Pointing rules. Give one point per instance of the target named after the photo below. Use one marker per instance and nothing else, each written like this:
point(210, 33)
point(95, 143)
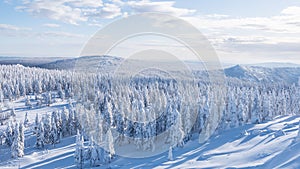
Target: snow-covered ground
point(268, 145)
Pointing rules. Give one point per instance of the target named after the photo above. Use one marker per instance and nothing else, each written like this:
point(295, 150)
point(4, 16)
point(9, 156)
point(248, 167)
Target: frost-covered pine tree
point(94, 156)
point(72, 126)
point(255, 111)
point(53, 138)
point(16, 148)
point(47, 127)
point(60, 92)
point(108, 112)
point(9, 134)
point(48, 98)
point(40, 140)
point(65, 119)
point(79, 151)
point(22, 137)
point(36, 122)
point(109, 147)
point(26, 120)
point(170, 154)
point(187, 126)
point(176, 131)
point(37, 89)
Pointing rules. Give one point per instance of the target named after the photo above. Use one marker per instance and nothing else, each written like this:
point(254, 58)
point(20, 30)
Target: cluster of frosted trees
point(140, 108)
point(19, 81)
point(50, 129)
point(14, 137)
point(93, 153)
point(146, 107)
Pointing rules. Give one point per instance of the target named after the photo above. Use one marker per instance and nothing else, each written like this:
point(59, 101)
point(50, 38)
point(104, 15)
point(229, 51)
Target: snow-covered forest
point(136, 110)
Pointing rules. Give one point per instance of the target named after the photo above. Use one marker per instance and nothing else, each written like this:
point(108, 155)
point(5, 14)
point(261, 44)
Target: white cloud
point(51, 25)
point(110, 11)
point(85, 3)
point(60, 34)
point(96, 25)
point(163, 7)
point(7, 27)
point(76, 11)
point(292, 10)
point(68, 11)
point(250, 39)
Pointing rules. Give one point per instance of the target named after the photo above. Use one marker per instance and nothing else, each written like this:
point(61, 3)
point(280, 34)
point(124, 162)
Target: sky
point(240, 31)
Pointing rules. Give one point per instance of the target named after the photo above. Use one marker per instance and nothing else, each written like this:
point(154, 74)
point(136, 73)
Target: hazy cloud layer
point(76, 11)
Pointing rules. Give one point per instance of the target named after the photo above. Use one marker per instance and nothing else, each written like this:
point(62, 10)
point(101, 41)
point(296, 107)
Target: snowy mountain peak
point(236, 71)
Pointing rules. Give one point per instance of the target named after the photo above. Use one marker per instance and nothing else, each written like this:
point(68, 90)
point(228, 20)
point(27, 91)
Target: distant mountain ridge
point(264, 72)
point(28, 61)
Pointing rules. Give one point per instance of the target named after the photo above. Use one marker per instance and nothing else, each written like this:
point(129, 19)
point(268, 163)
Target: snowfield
point(268, 145)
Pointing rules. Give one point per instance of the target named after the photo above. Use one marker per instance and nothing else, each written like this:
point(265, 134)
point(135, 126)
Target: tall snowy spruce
point(93, 154)
point(109, 147)
point(170, 154)
point(40, 139)
point(22, 137)
point(36, 122)
point(17, 147)
point(9, 134)
point(26, 120)
point(53, 137)
point(79, 151)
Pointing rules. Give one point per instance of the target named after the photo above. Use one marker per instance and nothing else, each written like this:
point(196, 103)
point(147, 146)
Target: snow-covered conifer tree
point(40, 140)
point(53, 137)
point(36, 122)
point(79, 151)
point(26, 120)
point(9, 134)
point(176, 131)
point(93, 153)
point(47, 127)
point(22, 137)
point(60, 92)
point(65, 119)
point(170, 154)
point(109, 146)
point(16, 148)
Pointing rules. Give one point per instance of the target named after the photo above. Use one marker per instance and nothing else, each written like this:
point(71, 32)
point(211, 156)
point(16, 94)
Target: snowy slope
point(264, 74)
point(267, 145)
point(251, 146)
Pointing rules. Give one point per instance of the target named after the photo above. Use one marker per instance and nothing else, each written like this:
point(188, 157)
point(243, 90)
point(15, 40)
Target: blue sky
point(240, 31)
